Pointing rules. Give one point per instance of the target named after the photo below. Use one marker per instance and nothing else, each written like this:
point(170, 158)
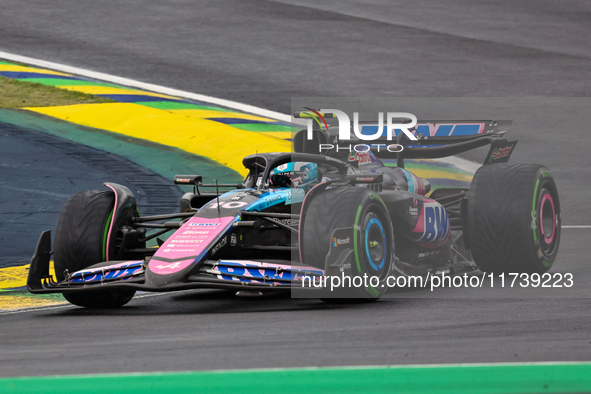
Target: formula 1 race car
point(305, 215)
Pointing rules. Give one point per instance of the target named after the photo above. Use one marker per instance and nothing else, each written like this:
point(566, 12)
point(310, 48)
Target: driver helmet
point(301, 175)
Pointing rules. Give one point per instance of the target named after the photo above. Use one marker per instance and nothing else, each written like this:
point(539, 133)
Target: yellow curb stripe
point(203, 113)
point(14, 277)
point(98, 90)
point(16, 68)
point(281, 135)
point(10, 303)
point(219, 142)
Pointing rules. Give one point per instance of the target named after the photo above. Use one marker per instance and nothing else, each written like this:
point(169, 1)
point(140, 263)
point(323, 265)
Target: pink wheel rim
point(548, 198)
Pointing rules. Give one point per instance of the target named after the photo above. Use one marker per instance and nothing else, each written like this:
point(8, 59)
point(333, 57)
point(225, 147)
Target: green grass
point(19, 94)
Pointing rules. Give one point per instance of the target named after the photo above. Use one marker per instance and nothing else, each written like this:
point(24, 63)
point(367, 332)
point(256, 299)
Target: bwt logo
point(394, 120)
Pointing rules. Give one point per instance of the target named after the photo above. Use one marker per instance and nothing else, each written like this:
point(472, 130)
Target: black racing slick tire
point(513, 218)
point(81, 241)
point(330, 217)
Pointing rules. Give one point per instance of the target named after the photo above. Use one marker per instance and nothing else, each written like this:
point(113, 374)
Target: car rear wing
point(434, 138)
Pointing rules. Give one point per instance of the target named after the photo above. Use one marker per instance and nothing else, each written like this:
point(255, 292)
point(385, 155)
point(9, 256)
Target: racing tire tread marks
point(79, 243)
point(337, 208)
point(500, 219)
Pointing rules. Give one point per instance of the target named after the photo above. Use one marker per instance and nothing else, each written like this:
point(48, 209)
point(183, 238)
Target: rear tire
point(81, 241)
point(372, 243)
point(513, 218)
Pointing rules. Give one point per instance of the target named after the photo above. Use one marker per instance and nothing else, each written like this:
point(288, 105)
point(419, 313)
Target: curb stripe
point(480, 379)
point(146, 86)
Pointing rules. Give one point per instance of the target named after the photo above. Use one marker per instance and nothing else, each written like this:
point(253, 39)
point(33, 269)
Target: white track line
point(577, 226)
point(146, 86)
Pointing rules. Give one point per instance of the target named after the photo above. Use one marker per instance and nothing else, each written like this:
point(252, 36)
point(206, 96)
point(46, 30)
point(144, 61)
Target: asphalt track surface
point(263, 53)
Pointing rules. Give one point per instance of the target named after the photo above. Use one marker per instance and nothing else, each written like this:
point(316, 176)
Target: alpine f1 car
point(306, 215)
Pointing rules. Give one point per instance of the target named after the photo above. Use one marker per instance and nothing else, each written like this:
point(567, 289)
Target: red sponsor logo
point(501, 152)
point(360, 157)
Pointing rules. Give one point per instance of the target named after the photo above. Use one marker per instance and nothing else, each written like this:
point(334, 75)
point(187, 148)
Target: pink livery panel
point(188, 244)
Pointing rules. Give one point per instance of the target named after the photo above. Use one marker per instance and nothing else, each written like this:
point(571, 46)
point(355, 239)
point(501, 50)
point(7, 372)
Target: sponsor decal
point(433, 223)
point(117, 271)
point(340, 241)
point(365, 179)
point(361, 157)
point(427, 254)
point(191, 247)
point(229, 204)
point(287, 222)
point(288, 196)
point(499, 153)
point(238, 196)
point(205, 236)
point(183, 180)
point(168, 268)
point(274, 199)
point(233, 240)
point(259, 273)
point(219, 245)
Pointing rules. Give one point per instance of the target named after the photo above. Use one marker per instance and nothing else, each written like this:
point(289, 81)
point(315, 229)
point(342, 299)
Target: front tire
point(372, 243)
point(513, 218)
point(81, 241)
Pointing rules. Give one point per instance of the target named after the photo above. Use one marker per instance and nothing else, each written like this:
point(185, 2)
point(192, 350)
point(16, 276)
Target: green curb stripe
point(356, 228)
point(171, 105)
point(106, 233)
point(258, 127)
point(58, 82)
point(533, 213)
point(24, 293)
point(479, 379)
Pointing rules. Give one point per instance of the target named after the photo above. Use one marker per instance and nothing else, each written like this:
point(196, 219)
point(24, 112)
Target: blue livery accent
point(441, 130)
point(277, 196)
point(466, 129)
point(255, 273)
point(106, 273)
point(436, 224)
point(376, 222)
